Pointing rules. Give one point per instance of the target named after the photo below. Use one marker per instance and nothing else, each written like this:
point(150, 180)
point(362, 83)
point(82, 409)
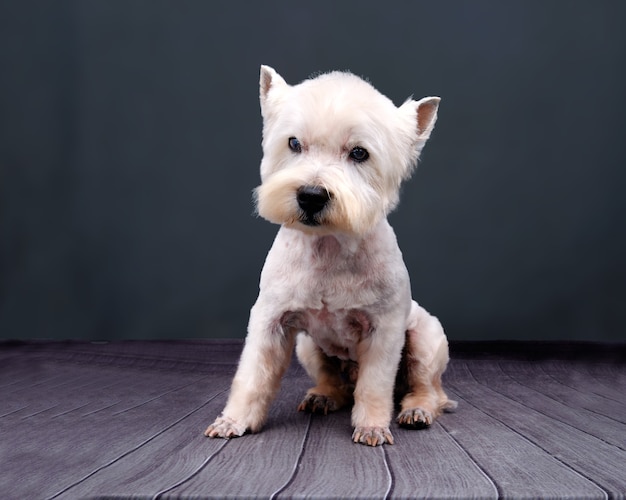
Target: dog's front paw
point(372, 436)
point(225, 427)
point(318, 403)
point(415, 418)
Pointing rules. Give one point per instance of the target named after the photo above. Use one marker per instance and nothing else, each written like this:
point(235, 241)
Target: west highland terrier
point(335, 152)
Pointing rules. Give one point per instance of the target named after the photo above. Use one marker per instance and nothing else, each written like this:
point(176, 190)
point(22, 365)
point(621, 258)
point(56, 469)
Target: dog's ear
point(269, 81)
point(424, 112)
point(426, 116)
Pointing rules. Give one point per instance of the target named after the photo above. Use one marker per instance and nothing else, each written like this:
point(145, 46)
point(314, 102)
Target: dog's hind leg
point(332, 389)
point(426, 358)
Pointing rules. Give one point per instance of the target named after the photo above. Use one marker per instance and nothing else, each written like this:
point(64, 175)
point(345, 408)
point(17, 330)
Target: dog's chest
point(334, 288)
point(337, 332)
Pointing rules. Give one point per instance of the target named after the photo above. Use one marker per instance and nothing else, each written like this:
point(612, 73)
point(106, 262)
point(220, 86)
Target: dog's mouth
point(308, 220)
point(312, 201)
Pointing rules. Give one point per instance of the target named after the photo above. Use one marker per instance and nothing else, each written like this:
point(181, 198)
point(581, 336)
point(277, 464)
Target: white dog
point(334, 282)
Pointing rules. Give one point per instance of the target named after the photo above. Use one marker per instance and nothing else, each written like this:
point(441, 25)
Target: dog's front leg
point(263, 362)
point(378, 358)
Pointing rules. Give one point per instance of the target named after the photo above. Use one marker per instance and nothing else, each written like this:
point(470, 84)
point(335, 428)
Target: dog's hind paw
point(372, 436)
point(225, 427)
point(415, 418)
point(318, 403)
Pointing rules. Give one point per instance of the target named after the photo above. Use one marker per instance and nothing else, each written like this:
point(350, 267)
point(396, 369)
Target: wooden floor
point(125, 419)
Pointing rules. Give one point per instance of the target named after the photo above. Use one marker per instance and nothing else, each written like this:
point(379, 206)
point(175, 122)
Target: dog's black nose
point(312, 200)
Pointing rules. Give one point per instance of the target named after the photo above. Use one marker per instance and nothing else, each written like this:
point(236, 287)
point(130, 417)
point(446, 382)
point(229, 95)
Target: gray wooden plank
point(254, 465)
point(155, 465)
point(125, 419)
point(42, 455)
point(590, 457)
point(332, 466)
point(70, 385)
point(430, 464)
point(194, 356)
point(517, 467)
point(610, 372)
point(15, 373)
point(40, 390)
point(586, 421)
point(536, 377)
point(578, 376)
point(193, 353)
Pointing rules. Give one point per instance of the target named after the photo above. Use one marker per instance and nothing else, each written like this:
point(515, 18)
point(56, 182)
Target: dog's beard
point(354, 206)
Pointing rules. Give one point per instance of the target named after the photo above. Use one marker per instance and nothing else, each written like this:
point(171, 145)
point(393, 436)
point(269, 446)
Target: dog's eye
point(294, 145)
point(359, 154)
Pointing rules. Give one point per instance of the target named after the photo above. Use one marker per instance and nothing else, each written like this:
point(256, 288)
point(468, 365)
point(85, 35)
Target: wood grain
point(332, 466)
point(430, 463)
point(125, 419)
point(258, 464)
point(601, 463)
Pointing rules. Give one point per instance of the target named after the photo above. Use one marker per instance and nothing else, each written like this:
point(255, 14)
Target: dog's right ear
point(269, 83)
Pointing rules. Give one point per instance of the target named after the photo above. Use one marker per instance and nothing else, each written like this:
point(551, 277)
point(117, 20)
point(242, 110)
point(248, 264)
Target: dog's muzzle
point(312, 200)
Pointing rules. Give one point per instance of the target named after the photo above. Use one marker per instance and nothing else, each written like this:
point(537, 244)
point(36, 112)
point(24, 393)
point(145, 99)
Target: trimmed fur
point(334, 281)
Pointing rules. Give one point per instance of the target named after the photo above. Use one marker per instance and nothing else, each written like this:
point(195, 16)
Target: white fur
point(340, 283)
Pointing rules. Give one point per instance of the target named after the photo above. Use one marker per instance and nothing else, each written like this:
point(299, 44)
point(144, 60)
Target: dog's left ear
point(269, 82)
point(425, 113)
point(426, 116)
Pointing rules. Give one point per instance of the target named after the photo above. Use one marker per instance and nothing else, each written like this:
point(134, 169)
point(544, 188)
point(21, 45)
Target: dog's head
point(335, 151)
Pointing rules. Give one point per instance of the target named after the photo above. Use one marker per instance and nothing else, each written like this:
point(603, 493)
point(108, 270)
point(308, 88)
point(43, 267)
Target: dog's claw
point(225, 427)
point(318, 403)
point(372, 436)
point(415, 418)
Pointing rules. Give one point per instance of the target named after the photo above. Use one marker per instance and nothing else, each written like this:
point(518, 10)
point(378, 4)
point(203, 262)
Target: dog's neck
point(338, 245)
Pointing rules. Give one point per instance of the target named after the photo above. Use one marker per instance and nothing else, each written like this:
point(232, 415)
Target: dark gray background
point(130, 143)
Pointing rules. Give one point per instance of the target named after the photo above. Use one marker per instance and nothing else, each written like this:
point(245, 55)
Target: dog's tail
point(448, 406)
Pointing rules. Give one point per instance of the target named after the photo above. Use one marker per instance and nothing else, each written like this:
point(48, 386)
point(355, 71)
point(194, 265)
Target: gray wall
point(130, 143)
